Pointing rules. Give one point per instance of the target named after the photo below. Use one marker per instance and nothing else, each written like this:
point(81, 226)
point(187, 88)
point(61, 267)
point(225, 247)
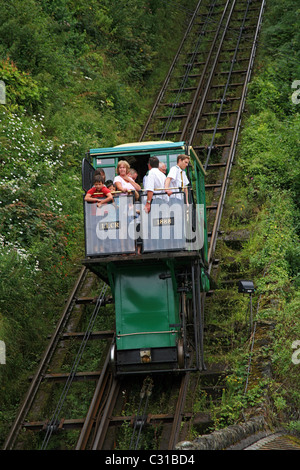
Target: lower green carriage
point(147, 320)
point(157, 293)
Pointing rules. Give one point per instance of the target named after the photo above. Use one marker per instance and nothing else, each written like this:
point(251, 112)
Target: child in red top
point(98, 192)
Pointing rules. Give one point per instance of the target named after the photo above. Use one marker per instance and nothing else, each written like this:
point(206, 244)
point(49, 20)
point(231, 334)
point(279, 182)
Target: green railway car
point(154, 261)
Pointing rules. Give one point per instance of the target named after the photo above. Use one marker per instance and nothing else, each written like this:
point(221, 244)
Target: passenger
point(155, 183)
point(101, 172)
point(134, 211)
point(162, 167)
point(123, 182)
point(98, 192)
point(133, 173)
point(177, 178)
point(145, 179)
point(109, 184)
point(100, 195)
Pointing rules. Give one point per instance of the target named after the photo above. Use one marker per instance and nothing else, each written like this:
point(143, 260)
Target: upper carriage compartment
point(136, 154)
point(124, 226)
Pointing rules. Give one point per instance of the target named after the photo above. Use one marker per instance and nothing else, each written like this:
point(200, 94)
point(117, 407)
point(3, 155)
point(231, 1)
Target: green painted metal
point(108, 157)
point(147, 308)
point(137, 147)
point(199, 175)
point(147, 305)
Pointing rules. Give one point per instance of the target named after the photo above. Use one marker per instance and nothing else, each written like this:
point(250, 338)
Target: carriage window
point(105, 161)
point(162, 158)
point(110, 173)
point(173, 159)
point(108, 165)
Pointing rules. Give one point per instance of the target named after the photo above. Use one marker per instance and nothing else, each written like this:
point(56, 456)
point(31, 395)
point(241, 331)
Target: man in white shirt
point(177, 178)
point(155, 183)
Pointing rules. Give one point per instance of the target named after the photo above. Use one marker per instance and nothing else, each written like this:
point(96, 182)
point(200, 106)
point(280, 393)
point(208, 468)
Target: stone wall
point(220, 440)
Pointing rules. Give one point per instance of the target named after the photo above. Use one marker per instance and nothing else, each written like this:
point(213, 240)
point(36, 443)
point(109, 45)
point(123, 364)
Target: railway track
point(55, 362)
point(201, 102)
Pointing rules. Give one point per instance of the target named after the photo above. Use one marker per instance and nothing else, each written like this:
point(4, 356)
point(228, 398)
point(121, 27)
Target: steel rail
point(191, 137)
point(232, 150)
point(227, 85)
point(201, 81)
point(189, 67)
point(167, 79)
point(94, 407)
point(178, 415)
point(38, 377)
point(71, 376)
point(105, 418)
point(103, 409)
point(177, 418)
point(175, 105)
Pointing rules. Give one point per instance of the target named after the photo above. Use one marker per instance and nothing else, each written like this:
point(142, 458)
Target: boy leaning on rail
point(98, 192)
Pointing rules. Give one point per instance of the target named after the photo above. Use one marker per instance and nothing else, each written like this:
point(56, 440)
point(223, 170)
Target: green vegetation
point(78, 74)
point(84, 73)
point(264, 203)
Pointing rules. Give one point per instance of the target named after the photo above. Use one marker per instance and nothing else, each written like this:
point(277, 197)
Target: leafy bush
point(269, 157)
point(75, 74)
point(38, 237)
point(266, 187)
point(21, 89)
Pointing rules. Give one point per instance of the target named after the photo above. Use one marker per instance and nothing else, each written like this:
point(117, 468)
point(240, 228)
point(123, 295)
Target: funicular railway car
point(154, 262)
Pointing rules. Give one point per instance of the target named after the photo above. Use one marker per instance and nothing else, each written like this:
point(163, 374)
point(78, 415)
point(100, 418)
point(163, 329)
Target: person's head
point(122, 167)
point(110, 185)
point(100, 171)
point(153, 162)
point(162, 167)
point(98, 182)
point(133, 173)
point(183, 161)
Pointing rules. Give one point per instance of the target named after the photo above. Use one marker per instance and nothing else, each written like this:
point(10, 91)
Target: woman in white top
point(123, 181)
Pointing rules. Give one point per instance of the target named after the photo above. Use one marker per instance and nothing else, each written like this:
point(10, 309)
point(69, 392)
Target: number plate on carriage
point(163, 221)
point(109, 225)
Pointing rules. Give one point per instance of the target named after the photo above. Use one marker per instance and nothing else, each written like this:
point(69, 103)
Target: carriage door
point(87, 171)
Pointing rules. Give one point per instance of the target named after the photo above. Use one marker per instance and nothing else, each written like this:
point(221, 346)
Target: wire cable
point(223, 99)
point(140, 419)
point(51, 427)
point(187, 71)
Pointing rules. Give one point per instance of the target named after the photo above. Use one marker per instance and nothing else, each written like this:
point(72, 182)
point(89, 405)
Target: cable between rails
point(140, 419)
point(188, 69)
point(223, 99)
point(51, 427)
